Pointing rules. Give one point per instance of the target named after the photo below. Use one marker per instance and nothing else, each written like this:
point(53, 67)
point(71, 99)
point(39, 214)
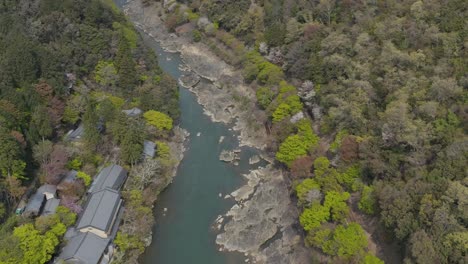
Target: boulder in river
point(228, 156)
point(254, 159)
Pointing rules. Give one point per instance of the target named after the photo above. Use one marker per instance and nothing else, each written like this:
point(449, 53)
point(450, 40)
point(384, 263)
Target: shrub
point(196, 36)
point(74, 164)
point(291, 149)
point(314, 216)
point(85, 177)
point(159, 120)
point(163, 150)
point(264, 96)
point(303, 188)
point(367, 203)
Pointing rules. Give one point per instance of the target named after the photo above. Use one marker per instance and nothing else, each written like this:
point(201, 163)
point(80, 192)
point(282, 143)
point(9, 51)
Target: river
point(186, 210)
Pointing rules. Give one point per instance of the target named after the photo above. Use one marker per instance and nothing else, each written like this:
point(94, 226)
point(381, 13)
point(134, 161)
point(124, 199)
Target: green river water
point(183, 233)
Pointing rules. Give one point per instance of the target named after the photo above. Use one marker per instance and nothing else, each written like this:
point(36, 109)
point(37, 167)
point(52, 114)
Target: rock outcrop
point(261, 224)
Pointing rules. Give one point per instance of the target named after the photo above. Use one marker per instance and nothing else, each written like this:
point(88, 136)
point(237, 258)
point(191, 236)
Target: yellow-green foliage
point(344, 241)
point(66, 216)
point(304, 187)
point(163, 150)
point(38, 247)
point(105, 73)
point(288, 102)
point(261, 69)
point(159, 120)
point(338, 139)
point(85, 177)
point(349, 177)
point(282, 111)
point(296, 146)
point(192, 16)
point(291, 149)
point(118, 102)
point(70, 115)
point(314, 216)
point(74, 164)
point(371, 259)
point(127, 242)
point(367, 203)
point(127, 32)
point(336, 203)
point(304, 129)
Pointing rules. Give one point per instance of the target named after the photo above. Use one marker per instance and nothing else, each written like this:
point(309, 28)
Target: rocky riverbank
point(221, 91)
point(261, 223)
point(177, 147)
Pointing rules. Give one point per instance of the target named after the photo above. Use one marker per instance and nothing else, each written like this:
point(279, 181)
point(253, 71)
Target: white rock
point(198, 134)
point(220, 195)
point(295, 118)
point(254, 159)
point(165, 209)
point(221, 139)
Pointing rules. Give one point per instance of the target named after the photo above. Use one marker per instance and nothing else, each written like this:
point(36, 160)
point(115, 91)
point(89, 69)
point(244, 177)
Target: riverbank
point(261, 222)
point(225, 97)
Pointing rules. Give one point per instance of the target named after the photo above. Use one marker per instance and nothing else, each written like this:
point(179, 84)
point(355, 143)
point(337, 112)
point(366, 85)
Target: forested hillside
point(383, 86)
point(65, 65)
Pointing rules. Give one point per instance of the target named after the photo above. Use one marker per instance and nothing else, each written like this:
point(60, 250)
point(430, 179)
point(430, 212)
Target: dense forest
point(383, 86)
point(66, 64)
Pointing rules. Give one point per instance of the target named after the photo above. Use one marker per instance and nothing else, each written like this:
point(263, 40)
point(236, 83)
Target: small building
point(101, 213)
point(75, 135)
point(149, 149)
point(49, 190)
point(134, 112)
point(50, 206)
point(35, 205)
point(86, 248)
point(112, 177)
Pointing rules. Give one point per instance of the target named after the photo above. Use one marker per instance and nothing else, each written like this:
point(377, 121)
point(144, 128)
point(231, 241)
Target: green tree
point(11, 163)
point(42, 151)
point(10, 252)
point(314, 216)
point(159, 120)
point(132, 143)
point(264, 96)
point(303, 189)
point(105, 73)
point(163, 150)
point(37, 247)
point(291, 149)
point(127, 242)
point(371, 259)
point(66, 216)
point(367, 203)
point(336, 203)
point(344, 241)
point(196, 36)
point(41, 121)
point(85, 177)
point(126, 67)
